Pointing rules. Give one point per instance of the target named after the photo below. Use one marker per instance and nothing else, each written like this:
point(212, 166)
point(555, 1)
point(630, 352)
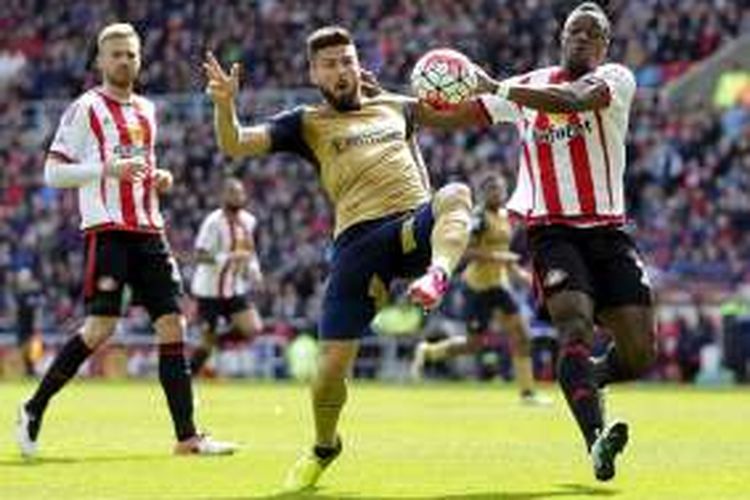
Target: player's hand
point(485, 83)
point(222, 87)
point(370, 85)
point(163, 180)
point(127, 169)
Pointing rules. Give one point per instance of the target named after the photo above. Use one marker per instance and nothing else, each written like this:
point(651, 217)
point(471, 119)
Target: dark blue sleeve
point(286, 132)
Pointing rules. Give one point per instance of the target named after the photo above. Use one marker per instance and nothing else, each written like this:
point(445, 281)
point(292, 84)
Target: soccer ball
point(443, 78)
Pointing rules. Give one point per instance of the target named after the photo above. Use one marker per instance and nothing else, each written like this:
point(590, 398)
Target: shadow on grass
point(42, 461)
point(561, 490)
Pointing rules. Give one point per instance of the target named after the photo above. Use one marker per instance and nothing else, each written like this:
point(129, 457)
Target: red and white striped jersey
point(93, 129)
point(572, 165)
point(219, 235)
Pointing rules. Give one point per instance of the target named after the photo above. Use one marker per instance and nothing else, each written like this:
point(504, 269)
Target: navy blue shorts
point(365, 259)
point(481, 305)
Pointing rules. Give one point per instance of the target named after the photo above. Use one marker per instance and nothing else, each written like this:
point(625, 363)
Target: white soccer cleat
point(203, 444)
point(533, 398)
point(24, 423)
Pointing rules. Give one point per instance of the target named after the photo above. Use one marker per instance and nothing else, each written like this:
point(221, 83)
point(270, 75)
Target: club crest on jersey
point(136, 135)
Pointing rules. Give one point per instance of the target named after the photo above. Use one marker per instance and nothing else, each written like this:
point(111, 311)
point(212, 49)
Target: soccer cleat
point(533, 398)
point(305, 473)
point(203, 444)
point(429, 289)
point(417, 364)
point(27, 430)
point(607, 446)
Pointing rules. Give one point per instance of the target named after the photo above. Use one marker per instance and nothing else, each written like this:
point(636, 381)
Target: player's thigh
point(106, 273)
point(156, 280)
point(357, 286)
point(559, 263)
point(97, 329)
point(170, 328)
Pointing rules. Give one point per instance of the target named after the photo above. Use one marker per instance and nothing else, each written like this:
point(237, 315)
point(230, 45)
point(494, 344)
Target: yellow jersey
point(491, 231)
point(367, 159)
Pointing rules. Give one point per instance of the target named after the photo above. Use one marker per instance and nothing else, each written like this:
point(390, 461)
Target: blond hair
point(117, 30)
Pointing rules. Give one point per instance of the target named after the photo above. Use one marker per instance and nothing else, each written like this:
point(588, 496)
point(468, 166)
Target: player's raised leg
point(328, 397)
point(96, 330)
point(451, 206)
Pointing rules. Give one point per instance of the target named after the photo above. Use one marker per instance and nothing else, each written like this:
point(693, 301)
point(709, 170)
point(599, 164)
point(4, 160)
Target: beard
point(120, 79)
point(347, 102)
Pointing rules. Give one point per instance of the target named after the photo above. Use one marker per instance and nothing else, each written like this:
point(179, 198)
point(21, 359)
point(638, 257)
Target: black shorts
point(602, 262)
point(143, 261)
point(481, 305)
point(211, 309)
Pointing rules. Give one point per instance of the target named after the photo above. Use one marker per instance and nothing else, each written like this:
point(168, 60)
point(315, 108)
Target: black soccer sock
point(575, 376)
point(199, 358)
point(64, 367)
point(174, 376)
point(607, 368)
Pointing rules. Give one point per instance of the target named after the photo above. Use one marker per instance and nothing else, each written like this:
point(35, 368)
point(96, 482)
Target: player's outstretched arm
point(234, 139)
point(588, 93)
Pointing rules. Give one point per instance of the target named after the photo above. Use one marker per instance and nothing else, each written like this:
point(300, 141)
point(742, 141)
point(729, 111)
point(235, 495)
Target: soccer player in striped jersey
point(227, 267)
point(104, 148)
point(487, 281)
point(572, 120)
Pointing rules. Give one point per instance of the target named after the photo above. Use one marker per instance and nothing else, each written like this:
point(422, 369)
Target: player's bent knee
point(455, 195)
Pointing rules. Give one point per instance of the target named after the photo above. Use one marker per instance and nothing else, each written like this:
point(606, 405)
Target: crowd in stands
point(689, 168)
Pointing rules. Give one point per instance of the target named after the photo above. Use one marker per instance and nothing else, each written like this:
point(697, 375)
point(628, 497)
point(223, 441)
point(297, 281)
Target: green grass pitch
point(437, 441)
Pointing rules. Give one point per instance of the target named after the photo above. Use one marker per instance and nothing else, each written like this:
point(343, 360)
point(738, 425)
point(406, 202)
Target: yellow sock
point(524, 373)
point(450, 235)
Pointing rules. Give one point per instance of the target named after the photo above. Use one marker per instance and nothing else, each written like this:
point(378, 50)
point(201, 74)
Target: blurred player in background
point(227, 269)
point(388, 223)
point(573, 120)
point(104, 148)
point(487, 281)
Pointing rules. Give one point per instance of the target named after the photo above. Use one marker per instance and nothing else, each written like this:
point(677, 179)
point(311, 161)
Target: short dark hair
point(596, 11)
point(328, 36)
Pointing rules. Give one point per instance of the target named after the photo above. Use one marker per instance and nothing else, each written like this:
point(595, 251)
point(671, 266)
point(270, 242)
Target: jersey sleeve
point(206, 236)
point(620, 81)
point(285, 130)
point(498, 109)
point(73, 134)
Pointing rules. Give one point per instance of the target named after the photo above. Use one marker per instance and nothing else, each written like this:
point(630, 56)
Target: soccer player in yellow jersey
point(487, 280)
point(388, 223)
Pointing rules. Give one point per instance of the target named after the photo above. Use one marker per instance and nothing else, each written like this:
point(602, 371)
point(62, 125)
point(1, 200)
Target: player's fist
point(127, 169)
point(221, 87)
point(163, 180)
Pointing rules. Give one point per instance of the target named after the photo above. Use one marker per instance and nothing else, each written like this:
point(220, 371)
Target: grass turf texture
point(457, 441)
